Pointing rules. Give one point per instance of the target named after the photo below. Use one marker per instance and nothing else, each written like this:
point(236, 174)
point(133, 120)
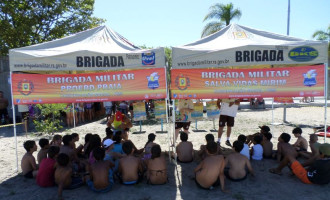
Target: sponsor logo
point(240, 35)
point(153, 81)
point(182, 82)
point(25, 87)
point(148, 58)
point(18, 101)
point(175, 95)
point(303, 54)
point(310, 78)
point(259, 56)
point(100, 61)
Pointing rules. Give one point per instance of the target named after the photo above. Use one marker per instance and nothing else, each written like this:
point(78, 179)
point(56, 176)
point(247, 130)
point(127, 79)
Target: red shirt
point(45, 176)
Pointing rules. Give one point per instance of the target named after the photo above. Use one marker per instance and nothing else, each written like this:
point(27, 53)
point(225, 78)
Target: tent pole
point(167, 97)
point(74, 116)
point(174, 142)
point(14, 117)
point(273, 115)
point(325, 99)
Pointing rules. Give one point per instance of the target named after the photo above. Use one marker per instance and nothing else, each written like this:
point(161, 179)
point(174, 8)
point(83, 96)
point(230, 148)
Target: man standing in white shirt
point(228, 110)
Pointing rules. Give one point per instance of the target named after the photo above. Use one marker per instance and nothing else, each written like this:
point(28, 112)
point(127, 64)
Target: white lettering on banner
point(114, 77)
point(77, 87)
point(77, 79)
point(256, 74)
point(109, 86)
point(223, 75)
point(217, 83)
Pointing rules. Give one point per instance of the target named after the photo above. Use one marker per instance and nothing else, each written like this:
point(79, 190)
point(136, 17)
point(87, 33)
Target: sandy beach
point(181, 184)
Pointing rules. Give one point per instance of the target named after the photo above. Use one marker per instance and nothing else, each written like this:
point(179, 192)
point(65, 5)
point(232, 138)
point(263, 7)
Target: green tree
point(323, 35)
point(223, 15)
point(24, 23)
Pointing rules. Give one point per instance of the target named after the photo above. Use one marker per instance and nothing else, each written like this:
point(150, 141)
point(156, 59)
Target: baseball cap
point(325, 149)
point(264, 128)
point(107, 143)
point(119, 116)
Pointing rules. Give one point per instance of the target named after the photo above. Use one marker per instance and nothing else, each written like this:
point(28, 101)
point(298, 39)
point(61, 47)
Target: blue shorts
point(107, 189)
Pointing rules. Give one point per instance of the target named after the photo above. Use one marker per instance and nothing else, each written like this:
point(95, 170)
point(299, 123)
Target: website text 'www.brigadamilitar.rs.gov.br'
point(43, 65)
point(203, 62)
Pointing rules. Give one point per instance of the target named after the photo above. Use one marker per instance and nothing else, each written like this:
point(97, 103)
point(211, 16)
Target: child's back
point(28, 162)
point(267, 145)
point(157, 169)
point(185, 149)
point(45, 177)
point(257, 150)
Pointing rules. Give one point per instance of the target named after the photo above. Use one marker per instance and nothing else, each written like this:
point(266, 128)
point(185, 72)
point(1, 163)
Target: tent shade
point(237, 45)
point(95, 49)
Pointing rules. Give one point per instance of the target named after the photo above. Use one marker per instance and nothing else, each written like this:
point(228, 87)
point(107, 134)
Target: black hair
point(88, 137)
point(212, 147)
point(151, 138)
point(95, 141)
point(268, 136)
point(98, 153)
point(297, 131)
point(155, 151)
point(257, 139)
point(66, 140)
point(53, 151)
point(56, 137)
point(117, 138)
point(63, 159)
point(74, 135)
point(285, 137)
point(209, 137)
point(238, 145)
point(127, 147)
point(242, 138)
point(43, 142)
point(183, 136)
point(28, 145)
point(109, 132)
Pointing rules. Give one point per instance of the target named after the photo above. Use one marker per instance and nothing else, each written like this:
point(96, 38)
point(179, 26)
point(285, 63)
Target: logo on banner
point(240, 35)
point(25, 87)
point(148, 58)
point(310, 78)
point(182, 82)
point(153, 80)
point(303, 54)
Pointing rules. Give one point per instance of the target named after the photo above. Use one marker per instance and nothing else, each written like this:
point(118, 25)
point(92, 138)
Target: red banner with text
point(245, 83)
point(89, 87)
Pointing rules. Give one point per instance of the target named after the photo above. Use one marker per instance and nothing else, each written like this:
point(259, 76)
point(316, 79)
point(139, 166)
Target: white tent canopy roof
point(239, 45)
point(97, 47)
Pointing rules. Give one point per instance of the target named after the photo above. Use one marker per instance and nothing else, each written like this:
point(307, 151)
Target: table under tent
point(241, 62)
point(95, 65)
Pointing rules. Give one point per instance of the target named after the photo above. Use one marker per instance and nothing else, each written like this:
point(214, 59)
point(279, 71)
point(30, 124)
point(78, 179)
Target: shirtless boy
point(67, 147)
point(44, 145)
point(156, 167)
point(210, 172)
point(202, 152)
point(45, 177)
point(63, 175)
point(314, 155)
point(101, 174)
point(184, 149)
point(237, 164)
point(130, 168)
point(267, 145)
point(301, 143)
point(28, 163)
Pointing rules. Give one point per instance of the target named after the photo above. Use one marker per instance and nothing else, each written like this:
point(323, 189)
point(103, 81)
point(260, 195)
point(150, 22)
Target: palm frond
point(211, 28)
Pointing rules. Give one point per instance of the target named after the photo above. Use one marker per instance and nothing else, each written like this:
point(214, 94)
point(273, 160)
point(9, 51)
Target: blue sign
point(303, 54)
point(153, 81)
point(148, 58)
point(310, 78)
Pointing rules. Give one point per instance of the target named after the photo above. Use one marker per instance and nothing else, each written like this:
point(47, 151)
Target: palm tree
point(223, 13)
point(323, 35)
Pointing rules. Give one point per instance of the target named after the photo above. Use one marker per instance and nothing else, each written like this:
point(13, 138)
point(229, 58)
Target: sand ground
point(181, 184)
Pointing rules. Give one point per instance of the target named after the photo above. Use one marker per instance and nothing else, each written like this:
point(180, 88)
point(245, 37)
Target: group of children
point(98, 163)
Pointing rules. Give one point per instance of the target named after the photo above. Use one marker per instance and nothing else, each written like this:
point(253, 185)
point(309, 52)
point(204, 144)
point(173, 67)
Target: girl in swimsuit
point(156, 167)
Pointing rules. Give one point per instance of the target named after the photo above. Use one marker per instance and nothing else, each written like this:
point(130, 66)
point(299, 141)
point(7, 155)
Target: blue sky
point(173, 23)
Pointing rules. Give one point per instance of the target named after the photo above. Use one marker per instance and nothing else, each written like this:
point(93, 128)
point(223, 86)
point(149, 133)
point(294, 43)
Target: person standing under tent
point(228, 110)
point(108, 109)
point(185, 107)
point(24, 110)
point(3, 109)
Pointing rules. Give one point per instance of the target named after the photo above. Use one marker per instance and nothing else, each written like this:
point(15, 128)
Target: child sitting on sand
point(110, 155)
point(257, 150)
point(301, 143)
point(202, 152)
point(210, 172)
point(246, 150)
point(130, 170)
point(108, 133)
point(75, 138)
point(267, 145)
point(156, 167)
point(101, 174)
point(148, 146)
point(28, 163)
point(314, 155)
point(45, 176)
point(185, 150)
point(44, 145)
point(63, 175)
point(237, 164)
point(67, 148)
point(56, 141)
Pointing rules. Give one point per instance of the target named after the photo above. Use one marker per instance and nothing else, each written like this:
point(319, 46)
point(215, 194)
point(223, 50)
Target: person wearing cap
point(119, 121)
point(301, 143)
point(317, 173)
point(228, 110)
point(110, 155)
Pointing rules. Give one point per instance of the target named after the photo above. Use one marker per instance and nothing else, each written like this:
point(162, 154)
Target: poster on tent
point(139, 111)
point(160, 109)
point(247, 83)
point(89, 87)
point(198, 111)
point(212, 110)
